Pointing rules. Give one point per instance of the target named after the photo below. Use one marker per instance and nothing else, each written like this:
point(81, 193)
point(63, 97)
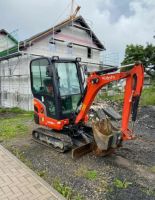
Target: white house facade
point(70, 39)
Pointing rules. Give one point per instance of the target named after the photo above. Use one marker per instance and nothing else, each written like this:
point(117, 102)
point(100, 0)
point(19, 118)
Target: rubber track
point(64, 139)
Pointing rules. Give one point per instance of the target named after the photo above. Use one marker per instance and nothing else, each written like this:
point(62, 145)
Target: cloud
point(31, 16)
point(116, 23)
point(137, 26)
point(117, 8)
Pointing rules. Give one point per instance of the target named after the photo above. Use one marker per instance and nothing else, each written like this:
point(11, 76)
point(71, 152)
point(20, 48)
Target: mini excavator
point(62, 105)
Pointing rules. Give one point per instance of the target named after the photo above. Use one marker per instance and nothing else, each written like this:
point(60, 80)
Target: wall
point(69, 34)
point(15, 83)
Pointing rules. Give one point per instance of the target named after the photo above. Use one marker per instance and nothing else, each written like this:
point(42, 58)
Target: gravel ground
point(131, 163)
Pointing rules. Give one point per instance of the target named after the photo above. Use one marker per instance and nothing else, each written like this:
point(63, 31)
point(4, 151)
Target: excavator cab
point(57, 84)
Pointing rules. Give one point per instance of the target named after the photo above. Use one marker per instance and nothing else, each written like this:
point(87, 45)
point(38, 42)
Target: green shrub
point(91, 174)
point(121, 184)
point(63, 189)
point(83, 171)
point(152, 169)
point(66, 191)
point(148, 96)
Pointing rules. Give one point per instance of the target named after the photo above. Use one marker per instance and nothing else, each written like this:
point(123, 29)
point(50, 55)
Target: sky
point(115, 22)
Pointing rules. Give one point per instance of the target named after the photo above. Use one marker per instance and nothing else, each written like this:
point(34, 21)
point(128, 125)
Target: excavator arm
point(134, 83)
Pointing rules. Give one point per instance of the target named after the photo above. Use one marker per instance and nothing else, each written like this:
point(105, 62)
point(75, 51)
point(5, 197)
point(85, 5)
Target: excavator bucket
point(106, 136)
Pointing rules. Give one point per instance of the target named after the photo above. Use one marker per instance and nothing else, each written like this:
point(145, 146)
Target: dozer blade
point(82, 150)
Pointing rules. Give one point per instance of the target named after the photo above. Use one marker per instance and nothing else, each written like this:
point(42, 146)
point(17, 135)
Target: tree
point(146, 55)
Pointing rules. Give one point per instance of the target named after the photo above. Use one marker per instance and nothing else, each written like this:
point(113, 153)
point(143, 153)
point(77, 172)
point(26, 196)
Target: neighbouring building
point(70, 38)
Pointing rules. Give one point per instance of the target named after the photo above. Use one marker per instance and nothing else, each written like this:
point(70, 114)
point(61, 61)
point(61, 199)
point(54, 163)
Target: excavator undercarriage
point(102, 137)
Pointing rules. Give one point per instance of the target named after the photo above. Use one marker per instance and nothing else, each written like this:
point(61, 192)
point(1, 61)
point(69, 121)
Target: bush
point(148, 96)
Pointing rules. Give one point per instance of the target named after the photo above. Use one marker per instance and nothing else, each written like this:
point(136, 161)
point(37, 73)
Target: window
point(42, 85)
point(69, 86)
point(68, 79)
point(89, 52)
point(39, 74)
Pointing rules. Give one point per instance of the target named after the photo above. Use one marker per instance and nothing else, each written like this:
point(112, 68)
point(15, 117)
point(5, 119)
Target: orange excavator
point(63, 100)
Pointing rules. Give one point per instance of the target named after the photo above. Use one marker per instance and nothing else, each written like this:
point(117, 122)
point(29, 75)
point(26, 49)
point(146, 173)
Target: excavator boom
point(134, 83)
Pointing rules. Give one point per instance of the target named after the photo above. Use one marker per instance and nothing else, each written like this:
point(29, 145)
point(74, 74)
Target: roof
point(68, 21)
point(10, 51)
point(24, 44)
point(3, 31)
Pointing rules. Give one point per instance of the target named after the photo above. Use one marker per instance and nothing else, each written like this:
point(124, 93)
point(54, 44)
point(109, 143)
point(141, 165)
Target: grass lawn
point(14, 122)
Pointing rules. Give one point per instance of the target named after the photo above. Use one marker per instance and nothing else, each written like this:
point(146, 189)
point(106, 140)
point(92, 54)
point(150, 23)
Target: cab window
point(42, 85)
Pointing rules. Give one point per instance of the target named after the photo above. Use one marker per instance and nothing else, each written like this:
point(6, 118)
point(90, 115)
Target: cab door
point(42, 85)
point(70, 88)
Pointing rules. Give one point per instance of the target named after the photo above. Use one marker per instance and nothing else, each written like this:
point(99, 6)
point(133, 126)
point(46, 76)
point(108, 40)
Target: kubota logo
point(48, 122)
point(107, 78)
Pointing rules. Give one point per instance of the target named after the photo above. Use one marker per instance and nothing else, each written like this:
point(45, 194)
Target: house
point(71, 38)
point(6, 40)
